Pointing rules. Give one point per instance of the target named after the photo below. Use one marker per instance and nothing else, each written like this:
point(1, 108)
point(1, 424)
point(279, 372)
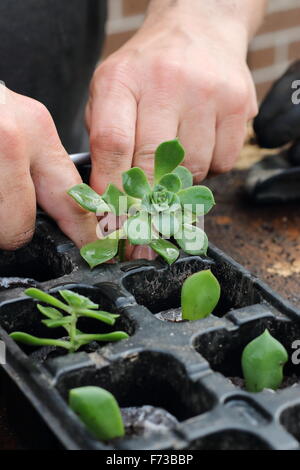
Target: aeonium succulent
point(154, 213)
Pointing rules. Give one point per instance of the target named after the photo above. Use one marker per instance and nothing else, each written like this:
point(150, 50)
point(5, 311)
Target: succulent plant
point(154, 213)
point(200, 294)
point(66, 315)
point(98, 410)
point(262, 363)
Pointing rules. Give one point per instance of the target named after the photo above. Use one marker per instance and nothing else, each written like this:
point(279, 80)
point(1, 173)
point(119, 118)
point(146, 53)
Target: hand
point(35, 167)
point(183, 74)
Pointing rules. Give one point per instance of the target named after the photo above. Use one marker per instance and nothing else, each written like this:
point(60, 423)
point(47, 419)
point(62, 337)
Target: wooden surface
point(264, 239)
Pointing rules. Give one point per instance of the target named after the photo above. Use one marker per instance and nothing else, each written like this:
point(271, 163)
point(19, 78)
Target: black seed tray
point(190, 369)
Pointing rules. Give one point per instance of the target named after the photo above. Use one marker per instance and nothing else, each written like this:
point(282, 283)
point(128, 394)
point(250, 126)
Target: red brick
point(281, 20)
point(294, 50)
point(261, 58)
point(134, 7)
point(115, 41)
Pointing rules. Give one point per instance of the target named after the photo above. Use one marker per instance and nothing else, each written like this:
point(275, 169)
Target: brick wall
point(275, 46)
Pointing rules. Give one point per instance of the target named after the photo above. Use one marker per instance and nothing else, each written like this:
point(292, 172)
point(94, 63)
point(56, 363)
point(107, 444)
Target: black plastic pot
point(186, 368)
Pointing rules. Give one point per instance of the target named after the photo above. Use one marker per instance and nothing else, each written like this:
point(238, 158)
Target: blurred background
point(276, 45)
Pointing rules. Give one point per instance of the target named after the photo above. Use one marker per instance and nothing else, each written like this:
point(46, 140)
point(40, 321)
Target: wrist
point(243, 15)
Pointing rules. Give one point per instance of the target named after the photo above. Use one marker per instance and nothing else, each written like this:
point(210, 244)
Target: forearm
point(247, 13)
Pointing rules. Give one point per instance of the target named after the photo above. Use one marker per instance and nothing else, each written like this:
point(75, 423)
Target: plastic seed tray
point(190, 369)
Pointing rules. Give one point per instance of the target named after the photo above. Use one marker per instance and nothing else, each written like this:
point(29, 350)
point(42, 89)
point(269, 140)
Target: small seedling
point(199, 295)
point(168, 209)
point(74, 307)
point(98, 410)
point(262, 363)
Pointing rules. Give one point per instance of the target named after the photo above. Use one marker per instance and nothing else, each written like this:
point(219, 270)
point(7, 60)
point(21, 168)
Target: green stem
point(122, 247)
point(73, 333)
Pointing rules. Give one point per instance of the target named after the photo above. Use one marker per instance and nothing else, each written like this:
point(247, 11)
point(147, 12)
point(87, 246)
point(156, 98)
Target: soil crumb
point(146, 420)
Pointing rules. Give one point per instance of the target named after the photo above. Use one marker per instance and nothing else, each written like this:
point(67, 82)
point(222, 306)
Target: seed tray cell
point(189, 369)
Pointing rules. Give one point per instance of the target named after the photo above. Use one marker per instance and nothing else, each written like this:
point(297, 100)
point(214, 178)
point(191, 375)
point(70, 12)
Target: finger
point(113, 115)
point(17, 196)
point(231, 134)
point(53, 174)
point(143, 252)
point(197, 133)
point(156, 123)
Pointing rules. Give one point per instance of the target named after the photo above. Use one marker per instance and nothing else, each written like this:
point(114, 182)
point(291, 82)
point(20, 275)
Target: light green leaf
point(188, 217)
point(200, 198)
point(38, 294)
point(100, 251)
point(167, 223)
point(50, 312)
point(185, 176)
point(100, 315)
point(135, 183)
point(262, 363)
point(138, 229)
point(98, 410)
point(87, 198)
point(165, 249)
point(192, 240)
point(107, 337)
point(171, 182)
point(116, 199)
point(76, 300)
point(63, 322)
point(200, 294)
point(34, 341)
point(167, 157)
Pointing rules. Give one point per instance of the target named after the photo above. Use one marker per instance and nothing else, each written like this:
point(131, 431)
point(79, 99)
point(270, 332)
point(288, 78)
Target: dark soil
point(44, 353)
point(287, 382)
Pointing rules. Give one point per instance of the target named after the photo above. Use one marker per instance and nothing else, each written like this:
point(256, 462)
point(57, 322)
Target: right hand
point(35, 167)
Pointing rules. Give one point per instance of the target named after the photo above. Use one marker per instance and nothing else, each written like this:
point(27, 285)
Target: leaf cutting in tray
point(200, 295)
point(98, 410)
point(262, 363)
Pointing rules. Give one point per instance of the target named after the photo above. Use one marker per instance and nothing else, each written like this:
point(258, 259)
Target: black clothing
point(48, 51)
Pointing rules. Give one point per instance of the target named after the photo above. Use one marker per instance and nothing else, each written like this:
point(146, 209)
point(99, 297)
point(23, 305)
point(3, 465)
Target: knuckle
point(112, 74)
point(208, 85)
point(239, 99)
point(167, 73)
point(40, 113)
point(9, 134)
point(111, 141)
